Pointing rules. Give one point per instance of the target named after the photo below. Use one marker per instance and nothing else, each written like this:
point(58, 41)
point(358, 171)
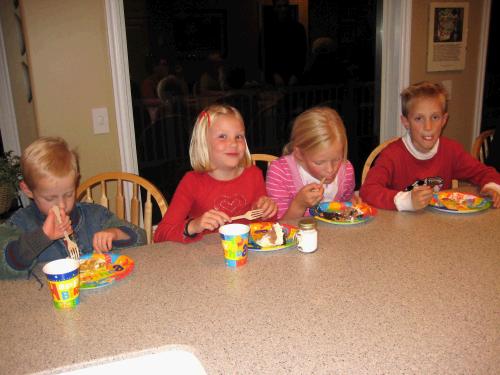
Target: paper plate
point(330, 212)
point(116, 267)
point(260, 227)
point(459, 203)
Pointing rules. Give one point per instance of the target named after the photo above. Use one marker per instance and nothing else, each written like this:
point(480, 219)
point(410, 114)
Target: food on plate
point(275, 236)
point(271, 236)
point(345, 214)
point(98, 270)
point(459, 201)
point(96, 263)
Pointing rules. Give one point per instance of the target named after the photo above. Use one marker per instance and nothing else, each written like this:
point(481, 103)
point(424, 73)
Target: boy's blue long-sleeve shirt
point(23, 242)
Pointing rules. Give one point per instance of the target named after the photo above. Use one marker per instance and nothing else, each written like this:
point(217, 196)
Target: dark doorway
point(491, 99)
point(174, 46)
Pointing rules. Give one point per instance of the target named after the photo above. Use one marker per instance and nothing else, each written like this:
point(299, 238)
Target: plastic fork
point(321, 183)
point(72, 247)
point(249, 215)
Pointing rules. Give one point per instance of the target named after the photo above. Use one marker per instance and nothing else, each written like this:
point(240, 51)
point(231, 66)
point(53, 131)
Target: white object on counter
point(307, 236)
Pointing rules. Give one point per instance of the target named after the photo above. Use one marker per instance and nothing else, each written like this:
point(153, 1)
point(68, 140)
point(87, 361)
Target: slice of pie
point(275, 236)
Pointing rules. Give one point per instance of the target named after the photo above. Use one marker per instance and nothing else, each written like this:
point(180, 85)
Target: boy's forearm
point(21, 253)
point(129, 236)
point(120, 234)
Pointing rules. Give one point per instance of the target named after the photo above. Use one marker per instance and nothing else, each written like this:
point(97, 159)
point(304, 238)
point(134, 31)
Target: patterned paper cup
point(235, 243)
point(63, 276)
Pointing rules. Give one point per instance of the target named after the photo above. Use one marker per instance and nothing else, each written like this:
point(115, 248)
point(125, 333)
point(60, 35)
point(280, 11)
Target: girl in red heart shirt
point(223, 184)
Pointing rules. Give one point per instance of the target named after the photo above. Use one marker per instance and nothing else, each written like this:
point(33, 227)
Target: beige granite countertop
point(406, 293)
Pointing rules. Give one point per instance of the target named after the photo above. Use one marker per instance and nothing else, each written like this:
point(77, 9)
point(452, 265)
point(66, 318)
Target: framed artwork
point(447, 43)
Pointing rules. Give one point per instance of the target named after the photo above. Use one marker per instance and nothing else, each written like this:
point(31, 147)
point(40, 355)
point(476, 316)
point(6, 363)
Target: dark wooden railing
point(163, 133)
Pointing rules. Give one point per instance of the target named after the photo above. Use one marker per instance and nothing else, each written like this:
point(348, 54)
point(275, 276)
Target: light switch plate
point(100, 120)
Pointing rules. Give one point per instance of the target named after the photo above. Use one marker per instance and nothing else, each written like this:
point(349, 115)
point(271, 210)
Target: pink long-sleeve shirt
point(283, 182)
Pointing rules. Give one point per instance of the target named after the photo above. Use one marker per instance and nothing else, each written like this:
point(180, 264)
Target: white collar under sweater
point(412, 150)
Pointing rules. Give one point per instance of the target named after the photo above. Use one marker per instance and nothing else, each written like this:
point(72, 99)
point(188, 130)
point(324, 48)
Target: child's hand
point(310, 195)
point(356, 199)
point(53, 229)
point(103, 240)
point(421, 196)
point(210, 220)
point(494, 194)
point(268, 206)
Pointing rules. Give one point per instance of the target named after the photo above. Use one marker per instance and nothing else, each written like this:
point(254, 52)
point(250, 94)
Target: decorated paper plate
point(343, 213)
point(261, 229)
point(458, 203)
point(98, 270)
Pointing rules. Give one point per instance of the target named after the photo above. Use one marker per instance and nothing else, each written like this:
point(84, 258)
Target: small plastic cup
point(63, 276)
point(235, 243)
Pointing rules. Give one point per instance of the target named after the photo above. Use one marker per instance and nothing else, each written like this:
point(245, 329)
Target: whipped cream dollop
point(274, 237)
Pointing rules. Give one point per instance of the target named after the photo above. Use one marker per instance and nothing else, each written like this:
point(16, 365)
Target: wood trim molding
point(8, 122)
point(481, 70)
point(117, 41)
point(396, 43)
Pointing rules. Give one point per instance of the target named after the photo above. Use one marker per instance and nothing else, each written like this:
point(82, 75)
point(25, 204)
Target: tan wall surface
point(25, 115)
point(71, 74)
point(464, 83)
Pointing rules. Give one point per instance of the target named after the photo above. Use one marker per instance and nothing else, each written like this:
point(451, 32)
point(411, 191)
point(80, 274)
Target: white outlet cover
point(100, 120)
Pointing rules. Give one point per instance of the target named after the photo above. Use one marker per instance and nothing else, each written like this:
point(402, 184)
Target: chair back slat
point(88, 196)
point(153, 195)
point(148, 215)
point(483, 152)
point(104, 201)
point(481, 147)
point(134, 205)
point(120, 200)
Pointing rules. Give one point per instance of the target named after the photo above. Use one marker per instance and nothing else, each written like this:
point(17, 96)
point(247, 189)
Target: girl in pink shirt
point(224, 182)
point(314, 168)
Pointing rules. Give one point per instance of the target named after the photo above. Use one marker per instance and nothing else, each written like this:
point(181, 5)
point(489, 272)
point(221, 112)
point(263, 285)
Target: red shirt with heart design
point(198, 193)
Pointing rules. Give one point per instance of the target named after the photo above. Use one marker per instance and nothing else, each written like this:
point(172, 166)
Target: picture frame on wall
point(447, 42)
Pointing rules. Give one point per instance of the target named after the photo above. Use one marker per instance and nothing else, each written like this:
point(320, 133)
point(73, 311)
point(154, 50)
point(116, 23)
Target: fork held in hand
point(321, 183)
point(250, 215)
point(73, 251)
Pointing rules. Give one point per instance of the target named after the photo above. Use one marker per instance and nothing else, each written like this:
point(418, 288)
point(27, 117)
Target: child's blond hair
point(424, 89)
point(48, 157)
point(198, 148)
point(316, 128)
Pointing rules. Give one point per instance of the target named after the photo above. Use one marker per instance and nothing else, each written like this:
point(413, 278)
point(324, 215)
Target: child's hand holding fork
point(55, 230)
point(268, 207)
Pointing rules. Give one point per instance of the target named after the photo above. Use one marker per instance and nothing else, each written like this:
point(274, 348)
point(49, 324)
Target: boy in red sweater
point(422, 152)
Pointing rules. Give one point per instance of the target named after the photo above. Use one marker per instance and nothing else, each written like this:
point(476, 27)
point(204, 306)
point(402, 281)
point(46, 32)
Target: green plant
point(10, 170)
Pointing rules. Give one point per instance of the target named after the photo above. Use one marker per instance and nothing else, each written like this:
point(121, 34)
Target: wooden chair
point(263, 157)
point(373, 155)
point(85, 190)
point(482, 144)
